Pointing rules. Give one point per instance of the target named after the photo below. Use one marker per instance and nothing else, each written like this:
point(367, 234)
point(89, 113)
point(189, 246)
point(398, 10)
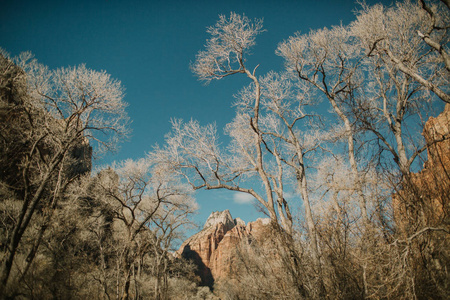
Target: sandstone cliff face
point(214, 248)
point(437, 136)
point(429, 189)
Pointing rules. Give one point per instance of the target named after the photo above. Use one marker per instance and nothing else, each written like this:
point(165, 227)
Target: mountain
point(214, 248)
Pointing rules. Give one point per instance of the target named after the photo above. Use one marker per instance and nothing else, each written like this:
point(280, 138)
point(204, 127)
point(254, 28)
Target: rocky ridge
point(213, 249)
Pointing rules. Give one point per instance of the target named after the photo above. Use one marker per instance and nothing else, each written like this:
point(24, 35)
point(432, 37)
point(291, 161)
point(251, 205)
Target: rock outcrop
point(437, 136)
point(213, 249)
point(428, 189)
point(218, 217)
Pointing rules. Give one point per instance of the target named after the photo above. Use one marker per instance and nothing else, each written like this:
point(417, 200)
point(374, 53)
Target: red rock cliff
point(428, 189)
point(213, 248)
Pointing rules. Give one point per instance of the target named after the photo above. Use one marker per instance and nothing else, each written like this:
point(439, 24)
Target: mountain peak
point(213, 248)
point(217, 217)
point(239, 222)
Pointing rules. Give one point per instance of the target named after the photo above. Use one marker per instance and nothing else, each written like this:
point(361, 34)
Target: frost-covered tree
point(369, 72)
point(194, 149)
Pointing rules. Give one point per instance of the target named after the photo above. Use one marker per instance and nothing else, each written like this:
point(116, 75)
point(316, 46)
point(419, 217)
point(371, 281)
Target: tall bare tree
point(267, 145)
point(330, 62)
point(61, 110)
point(225, 55)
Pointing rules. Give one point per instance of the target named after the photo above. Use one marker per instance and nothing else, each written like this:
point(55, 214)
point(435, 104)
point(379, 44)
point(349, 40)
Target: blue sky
point(149, 45)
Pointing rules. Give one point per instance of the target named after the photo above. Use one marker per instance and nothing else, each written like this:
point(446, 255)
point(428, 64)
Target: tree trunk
point(314, 247)
point(127, 269)
point(126, 288)
point(22, 224)
point(352, 159)
point(402, 162)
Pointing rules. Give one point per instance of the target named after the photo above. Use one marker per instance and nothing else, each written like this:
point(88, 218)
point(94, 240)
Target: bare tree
point(436, 23)
point(377, 74)
point(63, 109)
point(291, 138)
point(411, 38)
point(268, 144)
point(149, 206)
point(195, 148)
point(226, 49)
point(329, 62)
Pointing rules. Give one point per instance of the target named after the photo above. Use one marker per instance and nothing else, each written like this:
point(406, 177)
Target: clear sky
point(149, 45)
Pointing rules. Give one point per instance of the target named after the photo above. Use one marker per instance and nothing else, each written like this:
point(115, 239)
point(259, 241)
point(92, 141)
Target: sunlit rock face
point(430, 186)
point(437, 136)
point(218, 217)
point(214, 248)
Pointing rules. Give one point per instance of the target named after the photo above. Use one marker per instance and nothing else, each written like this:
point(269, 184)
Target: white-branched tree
point(62, 114)
point(381, 75)
point(149, 207)
point(271, 134)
